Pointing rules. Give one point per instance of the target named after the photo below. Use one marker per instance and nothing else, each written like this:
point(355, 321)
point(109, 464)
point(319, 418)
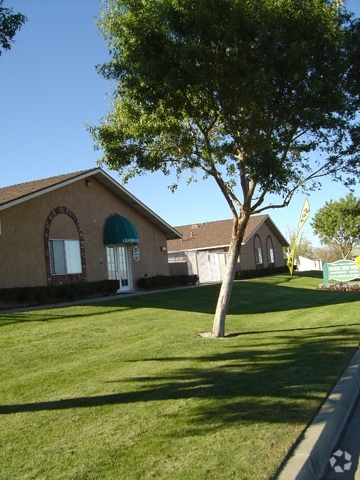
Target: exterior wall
point(263, 239)
point(247, 258)
point(178, 268)
point(22, 250)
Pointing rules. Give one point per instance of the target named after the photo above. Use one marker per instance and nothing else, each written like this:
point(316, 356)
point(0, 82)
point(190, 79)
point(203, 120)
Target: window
point(271, 257)
point(258, 256)
point(270, 251)
point(65, 257)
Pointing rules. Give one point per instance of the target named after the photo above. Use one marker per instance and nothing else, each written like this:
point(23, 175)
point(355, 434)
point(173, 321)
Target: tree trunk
point(226, 287)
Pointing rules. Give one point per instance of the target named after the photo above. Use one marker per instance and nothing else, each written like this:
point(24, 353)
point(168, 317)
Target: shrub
point(166, 281)
point(260, 272)
point(42, 295)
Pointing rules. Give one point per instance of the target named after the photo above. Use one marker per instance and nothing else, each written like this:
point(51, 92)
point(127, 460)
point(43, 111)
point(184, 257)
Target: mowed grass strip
point(127, 389)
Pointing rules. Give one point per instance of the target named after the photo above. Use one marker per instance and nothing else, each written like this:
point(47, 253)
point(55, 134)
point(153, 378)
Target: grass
point(127, 389)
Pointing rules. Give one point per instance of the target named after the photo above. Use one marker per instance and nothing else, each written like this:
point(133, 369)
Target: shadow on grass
point(285, 330)
point(248, 297)
point(51, 313)
point(283, 383)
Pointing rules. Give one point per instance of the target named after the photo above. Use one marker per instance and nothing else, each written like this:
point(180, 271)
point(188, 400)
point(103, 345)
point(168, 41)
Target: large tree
point(10, 23)
point(241, 90)
point(337, 224)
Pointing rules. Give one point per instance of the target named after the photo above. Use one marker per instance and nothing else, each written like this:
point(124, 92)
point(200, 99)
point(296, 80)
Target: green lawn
point(127, 389)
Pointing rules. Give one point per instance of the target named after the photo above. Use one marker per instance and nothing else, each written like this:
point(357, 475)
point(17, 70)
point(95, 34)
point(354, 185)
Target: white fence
point(306, 264)
point(208, 265)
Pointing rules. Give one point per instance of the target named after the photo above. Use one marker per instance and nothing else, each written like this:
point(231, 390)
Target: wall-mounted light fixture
point(88, 182)
point(162, 249)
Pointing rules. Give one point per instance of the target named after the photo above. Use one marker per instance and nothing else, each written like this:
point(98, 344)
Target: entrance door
point(119, 266)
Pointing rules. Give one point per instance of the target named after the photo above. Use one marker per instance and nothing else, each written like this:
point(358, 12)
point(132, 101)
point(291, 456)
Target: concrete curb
point(310, 457)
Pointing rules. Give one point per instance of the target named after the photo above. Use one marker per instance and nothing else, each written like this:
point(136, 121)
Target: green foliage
point(10, 23)
point(260, 272)
point(337, 224)
point(43, 295)
point(163, 281)
point(242, 91)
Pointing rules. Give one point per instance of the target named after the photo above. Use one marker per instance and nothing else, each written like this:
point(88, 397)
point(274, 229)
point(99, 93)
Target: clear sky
point(49, 89)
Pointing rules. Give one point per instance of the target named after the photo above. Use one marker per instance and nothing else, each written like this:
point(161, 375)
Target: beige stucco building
point(203, 247)
point(79, 227)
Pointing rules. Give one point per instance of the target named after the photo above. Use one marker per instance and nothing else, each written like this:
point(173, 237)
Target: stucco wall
point(247, 258)
point(22, 251)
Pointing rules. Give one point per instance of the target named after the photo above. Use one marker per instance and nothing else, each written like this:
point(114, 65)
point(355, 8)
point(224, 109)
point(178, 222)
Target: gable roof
point(217, 234)
point(15, 194)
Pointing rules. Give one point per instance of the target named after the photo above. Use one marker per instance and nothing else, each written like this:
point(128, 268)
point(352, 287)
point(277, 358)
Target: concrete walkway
point(311, 458)
point(108, 298)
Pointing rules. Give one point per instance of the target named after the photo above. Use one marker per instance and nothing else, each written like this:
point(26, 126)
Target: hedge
point(42, 295)
point(166, 281)
point(261, 272)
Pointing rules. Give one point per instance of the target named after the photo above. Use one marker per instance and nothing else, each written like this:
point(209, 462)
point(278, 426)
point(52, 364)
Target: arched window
point(259, 262)
point(270, 251)
point(64, 257)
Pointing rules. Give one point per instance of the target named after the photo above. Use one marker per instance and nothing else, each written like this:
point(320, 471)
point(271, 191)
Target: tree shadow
point(248, 297)
point(51, 313)
point(282, 384)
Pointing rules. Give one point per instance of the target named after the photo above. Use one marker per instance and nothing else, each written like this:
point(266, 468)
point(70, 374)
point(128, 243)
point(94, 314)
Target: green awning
point(119, 230)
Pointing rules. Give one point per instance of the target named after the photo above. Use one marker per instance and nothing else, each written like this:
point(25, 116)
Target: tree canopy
point(10, 23)
point(243, 91)
point(337, 224)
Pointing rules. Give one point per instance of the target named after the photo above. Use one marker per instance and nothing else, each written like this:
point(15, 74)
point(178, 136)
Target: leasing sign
point(342, 271)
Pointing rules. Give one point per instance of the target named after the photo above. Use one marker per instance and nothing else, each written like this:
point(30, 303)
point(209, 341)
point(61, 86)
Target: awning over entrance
point(119, 230)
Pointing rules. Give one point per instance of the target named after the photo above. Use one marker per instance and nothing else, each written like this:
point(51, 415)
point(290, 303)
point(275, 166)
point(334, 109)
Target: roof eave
point(114, 187)
point(135, 203)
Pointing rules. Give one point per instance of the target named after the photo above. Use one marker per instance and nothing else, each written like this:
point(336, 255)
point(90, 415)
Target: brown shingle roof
point(16, 192)
point(217, 234)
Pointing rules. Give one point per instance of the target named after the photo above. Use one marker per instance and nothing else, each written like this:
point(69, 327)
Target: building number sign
point(136, 254)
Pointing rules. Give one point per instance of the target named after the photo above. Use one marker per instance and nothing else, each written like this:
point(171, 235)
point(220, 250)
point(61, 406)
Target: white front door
point(119, 266)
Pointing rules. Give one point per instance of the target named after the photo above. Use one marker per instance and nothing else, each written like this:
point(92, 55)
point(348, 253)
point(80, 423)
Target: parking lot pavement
point(344, 462)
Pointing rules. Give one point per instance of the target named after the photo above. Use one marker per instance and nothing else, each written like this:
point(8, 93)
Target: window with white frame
point(271, 256)
point(270, 250)
point(65, 257)
point(258, 256)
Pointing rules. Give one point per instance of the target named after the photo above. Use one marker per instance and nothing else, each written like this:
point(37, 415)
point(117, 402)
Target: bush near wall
point(42, 295)
point(164, 281)
point(261, 272)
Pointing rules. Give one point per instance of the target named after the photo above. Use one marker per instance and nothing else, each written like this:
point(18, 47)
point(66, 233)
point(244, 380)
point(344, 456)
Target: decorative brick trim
point(71, 278)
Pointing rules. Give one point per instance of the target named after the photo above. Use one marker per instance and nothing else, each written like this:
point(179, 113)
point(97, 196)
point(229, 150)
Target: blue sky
point(49, 89)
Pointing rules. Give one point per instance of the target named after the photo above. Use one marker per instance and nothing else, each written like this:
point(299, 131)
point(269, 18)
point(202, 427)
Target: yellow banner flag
point(305, 212)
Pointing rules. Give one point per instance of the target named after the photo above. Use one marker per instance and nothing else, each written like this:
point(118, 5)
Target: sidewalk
point(108, 298)
point(320, 440)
